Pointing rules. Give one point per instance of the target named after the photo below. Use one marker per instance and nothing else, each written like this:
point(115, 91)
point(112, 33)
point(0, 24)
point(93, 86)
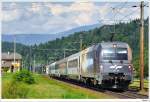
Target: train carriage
point(52, 69)
point(74, 66)
point(61, 67)
point(47, 69)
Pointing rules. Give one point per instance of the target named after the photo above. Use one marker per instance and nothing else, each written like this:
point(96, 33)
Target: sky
point(55, 17)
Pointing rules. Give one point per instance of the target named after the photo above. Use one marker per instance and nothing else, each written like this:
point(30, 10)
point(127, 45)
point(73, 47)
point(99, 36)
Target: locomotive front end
point(115, 65)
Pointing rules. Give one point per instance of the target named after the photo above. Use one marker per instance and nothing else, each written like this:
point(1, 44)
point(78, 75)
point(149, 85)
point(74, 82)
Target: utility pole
point(30, 60)
point(22, 65)
point(14, 52)
point(34, 64)
point(113, 10)
point(114, 27)
point(81, 42)
point(142, 45)
point(64, 53)
point(80, 57)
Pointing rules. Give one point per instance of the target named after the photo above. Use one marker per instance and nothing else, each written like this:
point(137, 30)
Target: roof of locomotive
point(90, 48)
point(110, 44)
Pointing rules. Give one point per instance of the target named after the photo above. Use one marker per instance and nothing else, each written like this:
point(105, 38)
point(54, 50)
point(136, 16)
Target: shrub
point(5, 69)
point(24, 76)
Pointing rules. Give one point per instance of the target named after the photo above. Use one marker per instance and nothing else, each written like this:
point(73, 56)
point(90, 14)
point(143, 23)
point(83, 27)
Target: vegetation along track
point(127, 94)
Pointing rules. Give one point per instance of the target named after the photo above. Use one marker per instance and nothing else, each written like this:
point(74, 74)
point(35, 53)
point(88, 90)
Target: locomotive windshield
point(114, 54)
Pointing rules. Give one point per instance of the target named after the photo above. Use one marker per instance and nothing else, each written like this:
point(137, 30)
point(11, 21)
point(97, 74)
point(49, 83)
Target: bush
point(24, 76)
point(5, 69)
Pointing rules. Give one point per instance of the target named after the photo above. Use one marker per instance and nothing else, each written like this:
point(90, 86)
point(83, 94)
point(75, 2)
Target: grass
point(46, 88)
point(136, 85)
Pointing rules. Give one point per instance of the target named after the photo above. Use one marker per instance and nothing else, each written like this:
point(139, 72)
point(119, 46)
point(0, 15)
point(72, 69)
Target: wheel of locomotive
point(89, 82)
point(95, 82)
point(84, 81)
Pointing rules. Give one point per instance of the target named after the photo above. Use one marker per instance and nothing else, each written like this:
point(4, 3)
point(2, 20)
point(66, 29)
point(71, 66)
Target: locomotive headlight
point(130, 67)
point(114, 45)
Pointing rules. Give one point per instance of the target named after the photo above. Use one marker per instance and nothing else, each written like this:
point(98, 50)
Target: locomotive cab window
point(115, 54)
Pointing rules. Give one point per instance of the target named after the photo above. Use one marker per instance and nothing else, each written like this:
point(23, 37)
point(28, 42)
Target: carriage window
point(52, 67)
point(73, 63)
point(56, 66)
point(89, 58)
point(63, 65)
point(115, 54)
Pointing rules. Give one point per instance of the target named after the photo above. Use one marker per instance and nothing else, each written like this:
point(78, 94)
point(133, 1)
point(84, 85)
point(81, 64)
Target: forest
point(51, 51)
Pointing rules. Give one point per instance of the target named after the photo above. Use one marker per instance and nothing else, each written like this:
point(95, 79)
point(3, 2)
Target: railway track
point(128, 94)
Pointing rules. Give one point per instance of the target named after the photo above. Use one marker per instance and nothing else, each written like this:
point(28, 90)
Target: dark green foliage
point(24, 76)
point(126, 32)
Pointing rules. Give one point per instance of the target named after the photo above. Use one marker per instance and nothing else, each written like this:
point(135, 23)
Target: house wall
point(9, 62)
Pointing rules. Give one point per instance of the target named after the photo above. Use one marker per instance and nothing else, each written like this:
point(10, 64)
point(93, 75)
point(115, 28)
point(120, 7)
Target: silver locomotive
point(108, 64)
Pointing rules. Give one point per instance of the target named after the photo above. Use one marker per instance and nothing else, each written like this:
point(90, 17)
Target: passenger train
point(107, 64)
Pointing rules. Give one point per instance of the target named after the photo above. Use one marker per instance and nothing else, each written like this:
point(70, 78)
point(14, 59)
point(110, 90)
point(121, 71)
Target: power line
point(113, 9)
point(121, 7)
point(131, 13)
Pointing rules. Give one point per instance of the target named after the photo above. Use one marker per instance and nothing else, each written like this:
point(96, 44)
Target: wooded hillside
point(54, 50)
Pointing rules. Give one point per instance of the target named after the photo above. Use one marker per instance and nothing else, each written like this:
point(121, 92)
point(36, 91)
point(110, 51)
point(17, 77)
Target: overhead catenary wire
point(118, 9)
point(131, 13)
point(113, 9)
point(123, 18)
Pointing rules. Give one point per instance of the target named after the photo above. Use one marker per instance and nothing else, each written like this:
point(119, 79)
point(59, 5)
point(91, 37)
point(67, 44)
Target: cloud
point(55, 17)
point(83, 19)
point(103, 10)
point(48, 17)
point(10, 12)
point(10, 15)
point(57, 9)
point(35, 8)
point(82, 6)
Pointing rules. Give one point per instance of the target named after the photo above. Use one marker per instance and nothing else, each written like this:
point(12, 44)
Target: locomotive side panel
point(87, 64)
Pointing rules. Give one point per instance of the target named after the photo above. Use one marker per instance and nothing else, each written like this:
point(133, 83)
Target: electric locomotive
point(115, 65)
point(108, 64)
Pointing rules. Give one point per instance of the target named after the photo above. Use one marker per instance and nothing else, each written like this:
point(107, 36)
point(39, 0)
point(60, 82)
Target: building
point(8, 64)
